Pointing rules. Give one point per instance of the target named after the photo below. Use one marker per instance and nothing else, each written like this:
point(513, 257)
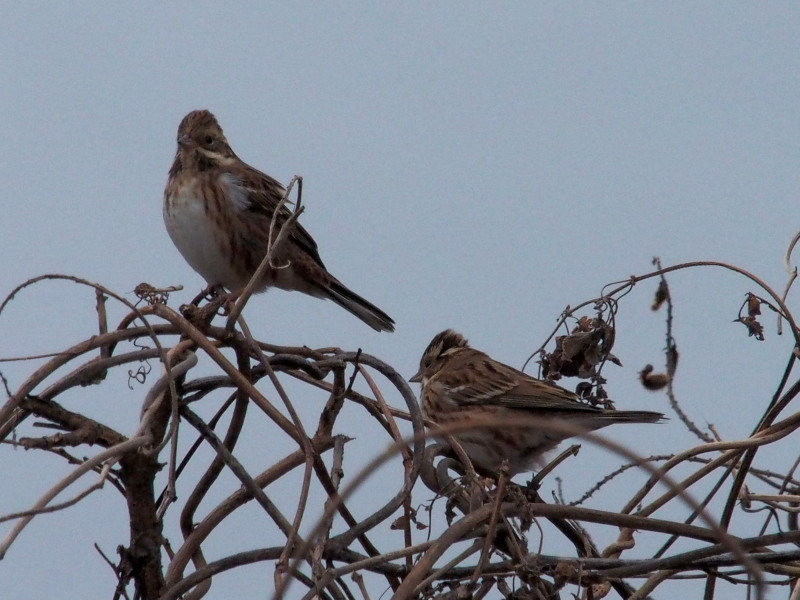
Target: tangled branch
point(475, 541)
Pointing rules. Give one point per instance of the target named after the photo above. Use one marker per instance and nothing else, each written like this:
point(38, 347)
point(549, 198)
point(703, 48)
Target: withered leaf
point(653, 381)
point(754, 328)
point(564, 573)
point(662, 293)
point(753, 305)
point(579, 353)
point(672, 359)
point(400, 522)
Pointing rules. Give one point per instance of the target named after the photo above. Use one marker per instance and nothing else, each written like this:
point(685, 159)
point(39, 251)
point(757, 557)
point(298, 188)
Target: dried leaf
point(754, 328)
point(585, 323)
point(400, 522)
point(564, 573)
point(753, 305)
point(578, 343)
point(672, 360)
point(662, 294)
point(153, 295)
point(653, 381)
point(579, 353)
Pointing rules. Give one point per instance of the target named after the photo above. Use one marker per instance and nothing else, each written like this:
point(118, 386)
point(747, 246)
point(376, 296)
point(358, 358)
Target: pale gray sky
point(468, 165)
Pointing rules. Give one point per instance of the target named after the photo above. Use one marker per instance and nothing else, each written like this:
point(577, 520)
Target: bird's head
point(201, 138)
point(442, 346)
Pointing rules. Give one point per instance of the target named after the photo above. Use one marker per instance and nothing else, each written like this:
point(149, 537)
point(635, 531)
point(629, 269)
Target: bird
point(218, 211)
point(462, 385)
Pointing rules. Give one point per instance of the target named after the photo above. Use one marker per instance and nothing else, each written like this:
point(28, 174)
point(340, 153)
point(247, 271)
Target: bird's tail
point(363, 309)
point(633, 416)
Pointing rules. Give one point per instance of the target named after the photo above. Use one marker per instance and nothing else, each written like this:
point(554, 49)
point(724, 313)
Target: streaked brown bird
point(218, 211)
point(464, 385)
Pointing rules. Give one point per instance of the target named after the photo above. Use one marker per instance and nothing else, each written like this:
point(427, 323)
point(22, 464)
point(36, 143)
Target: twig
point(98, 485)
point(113, 454)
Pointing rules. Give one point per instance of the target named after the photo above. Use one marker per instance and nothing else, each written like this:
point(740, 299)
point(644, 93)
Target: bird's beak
point(417, 377)
point(185, 141)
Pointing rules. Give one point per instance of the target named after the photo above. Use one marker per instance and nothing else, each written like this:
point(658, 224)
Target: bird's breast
point(200, 236)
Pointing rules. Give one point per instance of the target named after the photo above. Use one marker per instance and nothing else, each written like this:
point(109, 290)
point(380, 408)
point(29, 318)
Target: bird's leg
point(230, 300)
point(214, 291)
point(203, 295)
point(216, 298)
point(208, 294)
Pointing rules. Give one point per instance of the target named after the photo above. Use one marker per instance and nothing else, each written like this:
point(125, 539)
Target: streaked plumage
point(218, 211)
point(461, 384)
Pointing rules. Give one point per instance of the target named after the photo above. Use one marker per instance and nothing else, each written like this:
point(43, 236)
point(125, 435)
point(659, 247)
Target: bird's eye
point(209, 140)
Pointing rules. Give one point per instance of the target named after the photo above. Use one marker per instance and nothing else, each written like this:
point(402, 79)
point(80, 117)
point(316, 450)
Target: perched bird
point(464, 385)
point(218, 211)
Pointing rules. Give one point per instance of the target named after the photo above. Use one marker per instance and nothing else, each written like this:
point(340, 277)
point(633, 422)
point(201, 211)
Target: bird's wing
point(533, 393)
point(480, 380)
point(263, 195)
